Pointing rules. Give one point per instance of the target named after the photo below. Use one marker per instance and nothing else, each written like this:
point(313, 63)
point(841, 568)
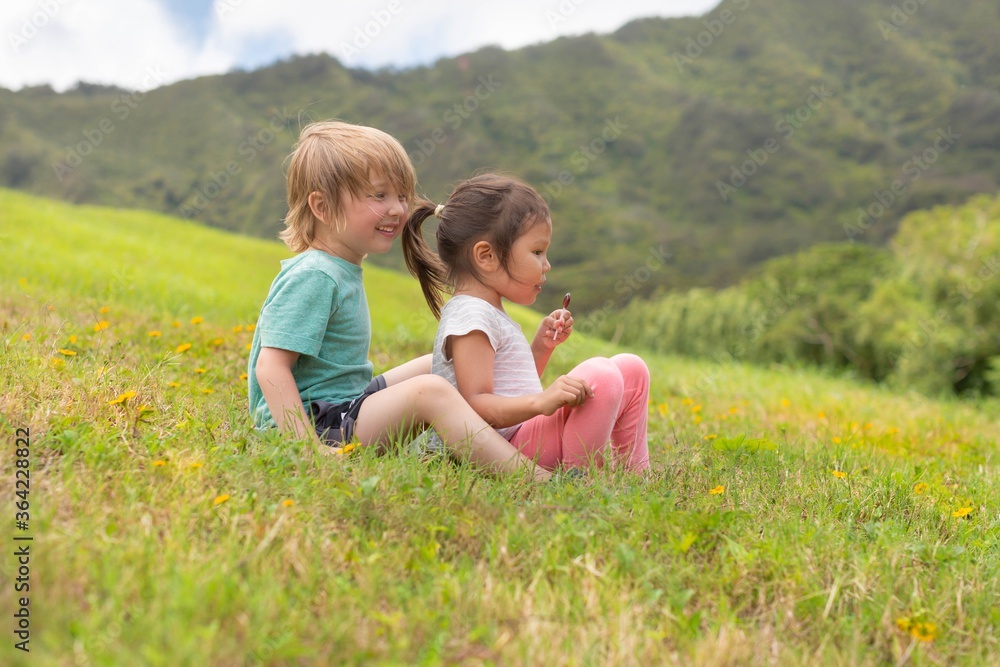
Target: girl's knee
point(632, 368)
point(603, 376)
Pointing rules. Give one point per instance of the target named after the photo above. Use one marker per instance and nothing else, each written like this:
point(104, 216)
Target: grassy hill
point(790, 517)
point(760, 128)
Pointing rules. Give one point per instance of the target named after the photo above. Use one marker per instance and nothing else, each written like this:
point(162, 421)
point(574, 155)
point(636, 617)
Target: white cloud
point(137, 44)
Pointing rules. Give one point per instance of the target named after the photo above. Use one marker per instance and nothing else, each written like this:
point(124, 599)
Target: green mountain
point(675, 153)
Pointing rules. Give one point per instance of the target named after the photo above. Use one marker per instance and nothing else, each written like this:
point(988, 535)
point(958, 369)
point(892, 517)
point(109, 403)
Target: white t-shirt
point(514, 372)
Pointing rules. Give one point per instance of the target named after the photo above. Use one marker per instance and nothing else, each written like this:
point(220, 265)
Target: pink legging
point(615, 416)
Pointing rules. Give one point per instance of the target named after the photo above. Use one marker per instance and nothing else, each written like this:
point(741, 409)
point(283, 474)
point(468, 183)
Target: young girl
point(492, 239)
point(349, 189)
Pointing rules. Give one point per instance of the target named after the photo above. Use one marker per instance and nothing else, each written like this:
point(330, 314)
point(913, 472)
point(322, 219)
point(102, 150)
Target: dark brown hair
point(490, 207)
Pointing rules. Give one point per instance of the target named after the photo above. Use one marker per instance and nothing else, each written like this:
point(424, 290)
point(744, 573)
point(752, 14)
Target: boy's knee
point(433, 385)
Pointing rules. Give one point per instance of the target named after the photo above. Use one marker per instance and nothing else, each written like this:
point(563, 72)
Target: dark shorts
point(334, 422)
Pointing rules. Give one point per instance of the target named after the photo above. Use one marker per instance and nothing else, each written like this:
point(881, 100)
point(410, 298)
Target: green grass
point(168, 533)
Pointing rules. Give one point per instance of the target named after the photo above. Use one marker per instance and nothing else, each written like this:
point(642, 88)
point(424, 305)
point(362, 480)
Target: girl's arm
point(558, 323)
point(474, 358)
point(274, 374)
point(413, 368)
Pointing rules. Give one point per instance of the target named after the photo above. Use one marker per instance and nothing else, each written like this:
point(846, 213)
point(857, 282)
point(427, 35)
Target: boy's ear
point(318, 206)
point(484, 257)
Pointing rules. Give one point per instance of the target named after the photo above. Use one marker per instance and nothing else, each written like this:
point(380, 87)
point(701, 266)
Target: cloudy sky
point(141, 44)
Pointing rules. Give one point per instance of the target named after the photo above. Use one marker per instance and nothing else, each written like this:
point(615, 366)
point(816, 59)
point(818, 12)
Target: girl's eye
point(378, 195)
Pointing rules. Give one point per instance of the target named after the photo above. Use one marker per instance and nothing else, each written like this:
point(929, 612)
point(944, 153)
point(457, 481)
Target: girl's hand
point(555, 328)
point(565, 391)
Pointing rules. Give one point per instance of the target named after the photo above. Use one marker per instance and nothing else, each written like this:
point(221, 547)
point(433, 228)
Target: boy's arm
point(274, 374)
point(474, 358)
point(413, 368)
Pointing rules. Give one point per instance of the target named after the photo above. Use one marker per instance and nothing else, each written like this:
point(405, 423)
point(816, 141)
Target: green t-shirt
point(316, 307)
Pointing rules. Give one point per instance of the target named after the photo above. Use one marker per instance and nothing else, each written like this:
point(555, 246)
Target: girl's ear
point(484, 257)
point(317, 204)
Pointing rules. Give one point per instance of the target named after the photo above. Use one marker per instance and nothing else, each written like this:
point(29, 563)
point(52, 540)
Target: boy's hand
point(565, 391)
point(554, 329)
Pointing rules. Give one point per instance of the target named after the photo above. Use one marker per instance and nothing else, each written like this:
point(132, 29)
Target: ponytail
point(423, 262)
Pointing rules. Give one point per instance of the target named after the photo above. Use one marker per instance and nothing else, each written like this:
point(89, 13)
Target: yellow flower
point(836, 440)
point(199, 370)
point(710, 436)
point(697, 419)
point(72, 340)
point(104, 310)
point(923, 631)
point(173, 384)
point(155, 334)
point(662, 407)
point(733, 410)
point(920, 487)
point(217, 342)
point(869, 426)
point(892, 431)
point(821, 415)
point(66, 353)
point(287, 502)
point(839, 474)
point(964, 511)
point(207, 391)
point(57, 362)
point(251, 327)
point(221, 499)
point(785, 402)
point(696, 408)
point(175, 324)
point(688, 401)
point(249, 346)
point(26, 336)
point(102, 325)
point(717, 490)
point(196, 465)
point(197, 320)
point(238, 328)
point(122, 398)
point(243, 376)
point(854, 426)
point(903, 624)
point(183, 347)
point(159, 463)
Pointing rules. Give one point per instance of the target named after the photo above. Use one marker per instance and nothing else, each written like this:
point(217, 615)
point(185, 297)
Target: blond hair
point(334, 159)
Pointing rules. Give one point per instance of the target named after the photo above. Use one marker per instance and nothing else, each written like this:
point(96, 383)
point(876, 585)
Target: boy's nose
point(398, 207)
